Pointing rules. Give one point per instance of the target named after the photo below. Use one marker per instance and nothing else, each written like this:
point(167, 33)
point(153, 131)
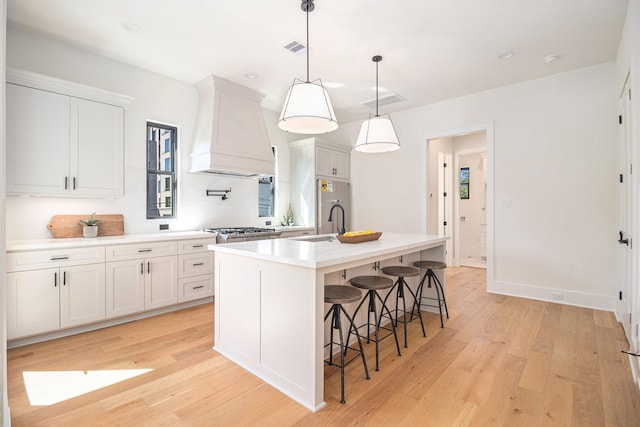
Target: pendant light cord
point(307, 10)
point(377, 88)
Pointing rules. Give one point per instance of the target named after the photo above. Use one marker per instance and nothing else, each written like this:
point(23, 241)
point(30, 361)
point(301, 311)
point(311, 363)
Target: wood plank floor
point(499, 361)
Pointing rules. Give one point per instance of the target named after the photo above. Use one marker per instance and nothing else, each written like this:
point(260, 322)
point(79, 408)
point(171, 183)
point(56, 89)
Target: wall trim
point(578, 299)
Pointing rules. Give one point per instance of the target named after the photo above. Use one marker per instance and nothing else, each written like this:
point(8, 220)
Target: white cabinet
point(195, 269)
point(332, 163)
point(141, 277)
point(67, 293)
point(62, 145)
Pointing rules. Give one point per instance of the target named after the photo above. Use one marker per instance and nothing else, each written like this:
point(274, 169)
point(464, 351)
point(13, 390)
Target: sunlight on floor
point(50, 387)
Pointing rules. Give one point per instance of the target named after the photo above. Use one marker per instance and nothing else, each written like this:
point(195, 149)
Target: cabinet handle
point(197, 246)
point(144, 250)
point(58, 258)
point(198, 287)
point(148, 267)
point(66, 182)
point(74, 182)
point(64, 278)
point(55, 280)
point(198, 264)
point(142, 268)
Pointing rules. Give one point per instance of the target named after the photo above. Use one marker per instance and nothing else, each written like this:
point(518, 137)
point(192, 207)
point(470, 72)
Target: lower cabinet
point(45, 300)
point(141, 284)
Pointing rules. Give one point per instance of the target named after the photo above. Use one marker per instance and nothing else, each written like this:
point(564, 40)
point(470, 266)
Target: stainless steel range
point(243, 234)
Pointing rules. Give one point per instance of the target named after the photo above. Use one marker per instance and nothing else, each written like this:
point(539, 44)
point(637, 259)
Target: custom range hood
point(230, 136)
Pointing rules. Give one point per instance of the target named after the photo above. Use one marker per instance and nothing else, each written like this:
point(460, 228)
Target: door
point(444, 200)
point(161, 282)
point(626, 293)
point(82, 295)
point(124, 287)
point(472, 215)
point(33, 305)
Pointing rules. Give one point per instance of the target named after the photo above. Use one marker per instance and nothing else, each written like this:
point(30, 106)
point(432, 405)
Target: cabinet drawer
point(195, 287)
point(195, 264)
point(34, 260)
point(141, 250)
point(194, 245)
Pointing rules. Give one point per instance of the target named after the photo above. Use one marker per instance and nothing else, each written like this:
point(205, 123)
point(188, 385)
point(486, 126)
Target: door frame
point(488, 128)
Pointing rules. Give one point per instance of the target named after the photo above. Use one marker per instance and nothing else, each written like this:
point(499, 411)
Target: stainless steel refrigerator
point(330, 192)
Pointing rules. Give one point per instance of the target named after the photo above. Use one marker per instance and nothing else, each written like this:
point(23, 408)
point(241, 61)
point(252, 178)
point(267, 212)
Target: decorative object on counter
point(70, 226)
point(219, 193)
point(377, 134)
point(90, 226)
point(287, 218)
point(359, 236)
point(307, 108)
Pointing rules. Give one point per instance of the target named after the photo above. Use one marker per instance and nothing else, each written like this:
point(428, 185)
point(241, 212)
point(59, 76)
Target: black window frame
point(154, 175)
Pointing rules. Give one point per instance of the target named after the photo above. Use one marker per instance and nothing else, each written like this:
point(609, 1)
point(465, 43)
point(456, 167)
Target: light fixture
point(307, 108)
point(377, 134)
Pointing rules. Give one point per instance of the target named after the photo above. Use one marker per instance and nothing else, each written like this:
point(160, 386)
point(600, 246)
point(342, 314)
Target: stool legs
point(400, 286)
point(370, 298)
point(432, 280)
point(336, 323)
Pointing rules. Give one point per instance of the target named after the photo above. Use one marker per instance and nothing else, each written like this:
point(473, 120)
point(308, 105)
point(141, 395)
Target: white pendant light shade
point(307, 109)
point(377, 135)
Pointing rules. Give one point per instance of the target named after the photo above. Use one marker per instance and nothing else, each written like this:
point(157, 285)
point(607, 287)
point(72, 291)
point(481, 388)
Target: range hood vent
point(230, 136)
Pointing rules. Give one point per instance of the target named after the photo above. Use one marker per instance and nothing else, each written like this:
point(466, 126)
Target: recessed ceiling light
point(551, 58)
point(506, 55)
point(251, 76)
point(132, 28)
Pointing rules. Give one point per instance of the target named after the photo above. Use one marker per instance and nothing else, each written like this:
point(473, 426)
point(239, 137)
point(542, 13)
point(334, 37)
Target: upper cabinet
point(332, 163)
point(63, 139)
point(326, 160)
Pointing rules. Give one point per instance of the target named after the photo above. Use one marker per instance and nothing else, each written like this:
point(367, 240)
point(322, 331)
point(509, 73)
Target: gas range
point(243, 234)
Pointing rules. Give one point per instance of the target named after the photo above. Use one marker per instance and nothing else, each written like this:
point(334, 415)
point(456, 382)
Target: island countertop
point(299, 251)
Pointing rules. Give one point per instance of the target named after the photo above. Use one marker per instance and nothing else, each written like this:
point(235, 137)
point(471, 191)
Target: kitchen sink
point(317, 239)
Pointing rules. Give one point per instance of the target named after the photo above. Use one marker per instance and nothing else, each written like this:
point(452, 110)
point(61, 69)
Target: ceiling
point(432, 49)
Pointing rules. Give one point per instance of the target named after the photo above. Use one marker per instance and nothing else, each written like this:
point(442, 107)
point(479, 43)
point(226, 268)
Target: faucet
point(337, 205)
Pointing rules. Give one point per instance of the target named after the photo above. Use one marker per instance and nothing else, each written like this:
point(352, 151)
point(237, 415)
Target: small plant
point(91, 221)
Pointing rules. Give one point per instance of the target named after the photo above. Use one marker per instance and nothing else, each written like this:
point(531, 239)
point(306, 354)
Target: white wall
point(555, 160)
point(159, 99)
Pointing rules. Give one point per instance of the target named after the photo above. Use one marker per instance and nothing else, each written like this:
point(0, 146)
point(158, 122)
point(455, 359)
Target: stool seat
point(336, 294)
point(430, 264)
point(401, 271)
point(371, 282)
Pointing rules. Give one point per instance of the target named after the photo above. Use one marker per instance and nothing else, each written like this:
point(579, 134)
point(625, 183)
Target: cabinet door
point(124, 287)
point(82, 295)
point(96, 149)
point(33, 304)
point(324, 164)
point(161, 282)
point(37, 141)
point(341, 164)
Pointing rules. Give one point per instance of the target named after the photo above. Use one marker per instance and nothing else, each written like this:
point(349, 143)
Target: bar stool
point(432, 278)
point(337, 296)
point(373, 284)
point(401, 271)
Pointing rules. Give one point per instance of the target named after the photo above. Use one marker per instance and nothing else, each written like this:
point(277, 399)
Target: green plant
point(91, 221)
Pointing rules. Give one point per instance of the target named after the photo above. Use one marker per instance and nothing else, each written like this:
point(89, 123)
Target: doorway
point(459, 185)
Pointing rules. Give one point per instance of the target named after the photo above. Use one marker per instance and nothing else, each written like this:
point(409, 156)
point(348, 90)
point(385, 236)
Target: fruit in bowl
point(358, 233)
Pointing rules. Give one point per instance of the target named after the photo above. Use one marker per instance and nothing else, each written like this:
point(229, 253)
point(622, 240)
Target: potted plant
point(90, 226)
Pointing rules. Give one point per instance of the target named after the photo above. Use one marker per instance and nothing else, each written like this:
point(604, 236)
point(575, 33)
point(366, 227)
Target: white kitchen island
point(269, 302)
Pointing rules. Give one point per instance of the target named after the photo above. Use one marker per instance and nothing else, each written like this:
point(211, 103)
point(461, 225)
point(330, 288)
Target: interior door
point(625, 257)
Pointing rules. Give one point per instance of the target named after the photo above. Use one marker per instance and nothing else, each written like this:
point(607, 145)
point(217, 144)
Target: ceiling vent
point(295, 47)
point(383, 100)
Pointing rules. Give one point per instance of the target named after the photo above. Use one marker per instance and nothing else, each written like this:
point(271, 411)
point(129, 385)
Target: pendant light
point(377, 134)
point(307, 108)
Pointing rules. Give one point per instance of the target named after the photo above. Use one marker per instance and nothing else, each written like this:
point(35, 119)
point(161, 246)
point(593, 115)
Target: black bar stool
point(338, 295)
point(373, 284)
point(432, 278)
point(401, 271)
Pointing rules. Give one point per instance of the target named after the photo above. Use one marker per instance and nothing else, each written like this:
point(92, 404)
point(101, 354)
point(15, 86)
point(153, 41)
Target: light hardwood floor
point(498, 361)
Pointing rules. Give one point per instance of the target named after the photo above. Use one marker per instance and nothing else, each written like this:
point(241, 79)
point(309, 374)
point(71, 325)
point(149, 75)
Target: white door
point(82, 294)
point(161, 282)
point(124, 287)
point(444, 201)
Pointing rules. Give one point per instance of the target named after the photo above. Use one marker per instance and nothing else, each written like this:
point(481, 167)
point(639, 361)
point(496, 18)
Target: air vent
point(384, 100)
point(295, 47)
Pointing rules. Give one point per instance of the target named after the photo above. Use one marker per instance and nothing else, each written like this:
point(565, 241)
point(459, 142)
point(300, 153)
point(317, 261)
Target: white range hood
point(230, 136)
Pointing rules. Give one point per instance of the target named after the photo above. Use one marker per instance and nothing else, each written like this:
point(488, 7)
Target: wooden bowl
point(359, 239)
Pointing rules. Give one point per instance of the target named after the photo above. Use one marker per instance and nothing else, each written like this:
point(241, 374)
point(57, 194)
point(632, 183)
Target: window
point(266, 193)
point(464, 183)
point(161, 152)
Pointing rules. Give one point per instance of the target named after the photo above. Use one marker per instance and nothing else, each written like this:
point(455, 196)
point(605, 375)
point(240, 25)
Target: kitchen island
point(269, 301)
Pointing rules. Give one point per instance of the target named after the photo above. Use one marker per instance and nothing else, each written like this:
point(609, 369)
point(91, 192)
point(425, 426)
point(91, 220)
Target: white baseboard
point(560, 296)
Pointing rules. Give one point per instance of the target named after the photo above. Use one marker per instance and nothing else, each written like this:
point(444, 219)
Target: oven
point(243, 234)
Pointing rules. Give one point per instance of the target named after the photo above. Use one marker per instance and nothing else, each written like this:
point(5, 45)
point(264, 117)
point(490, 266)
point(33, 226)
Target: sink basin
point(317, 239)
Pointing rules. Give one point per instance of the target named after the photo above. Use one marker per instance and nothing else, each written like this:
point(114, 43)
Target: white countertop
point(81, 242)
point(297, 252)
